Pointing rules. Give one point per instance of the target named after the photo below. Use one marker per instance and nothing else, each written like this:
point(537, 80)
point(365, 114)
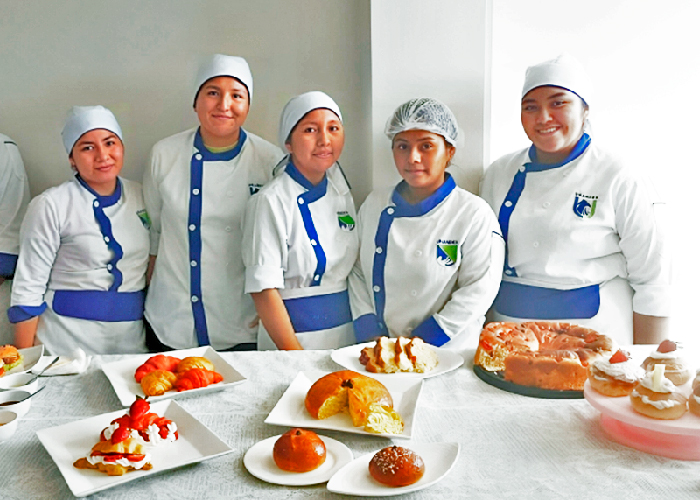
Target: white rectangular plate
point(349, 357)
point(121, 375)
point(290, 409)
point(354, 478)
point(69, 442)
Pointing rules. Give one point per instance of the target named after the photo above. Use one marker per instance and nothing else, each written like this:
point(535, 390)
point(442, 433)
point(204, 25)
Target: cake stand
point(679, 439)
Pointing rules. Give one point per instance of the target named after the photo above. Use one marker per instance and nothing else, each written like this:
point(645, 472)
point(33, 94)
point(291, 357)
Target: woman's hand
point(275, 319)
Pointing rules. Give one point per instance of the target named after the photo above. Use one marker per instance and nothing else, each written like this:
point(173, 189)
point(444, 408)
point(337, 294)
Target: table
point(511, 446)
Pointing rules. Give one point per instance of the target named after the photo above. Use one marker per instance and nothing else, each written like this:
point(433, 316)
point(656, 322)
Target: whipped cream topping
point(662, 404)
point(665, 384)
point(627, 371)
point(677, 354)
point(113, 427)
point(154, 437)
point(100, 459)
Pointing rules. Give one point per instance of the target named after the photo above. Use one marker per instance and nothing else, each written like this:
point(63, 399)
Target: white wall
point(642, 57)
point(139, 58)
point(436, 49)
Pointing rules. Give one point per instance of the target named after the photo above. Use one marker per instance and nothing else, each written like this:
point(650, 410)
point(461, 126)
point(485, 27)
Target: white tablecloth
point(511, 446)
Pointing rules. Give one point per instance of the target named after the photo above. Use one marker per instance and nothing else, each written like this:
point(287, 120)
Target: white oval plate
point(354, 478)
point(259, 462)
point(349, 357)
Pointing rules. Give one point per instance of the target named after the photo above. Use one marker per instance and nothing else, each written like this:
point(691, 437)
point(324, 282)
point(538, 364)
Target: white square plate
point(290, 409)
point(354, 478)
point(121, 375)
point(349, 357)
point(69, 442)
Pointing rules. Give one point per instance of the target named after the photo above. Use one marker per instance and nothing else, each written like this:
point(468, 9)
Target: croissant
point(158, 362)
point(158, 382)
point(194, 362)
point(196, 378)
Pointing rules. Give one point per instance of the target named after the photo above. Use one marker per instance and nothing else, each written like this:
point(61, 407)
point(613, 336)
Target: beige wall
point(139, 59)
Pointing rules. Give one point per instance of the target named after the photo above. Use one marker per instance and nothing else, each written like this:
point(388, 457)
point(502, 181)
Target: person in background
point(195, 189)
point(14, 198)
point(300, 239)
point(583, 241)
point(83, 252)
point(431, 253)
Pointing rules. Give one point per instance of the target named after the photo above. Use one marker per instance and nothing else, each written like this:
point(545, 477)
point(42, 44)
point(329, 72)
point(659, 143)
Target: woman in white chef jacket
point(83, 251)
point(14, 198)
point(300, 239)
point(431, 253)
point(195, 189)
point(583, 244)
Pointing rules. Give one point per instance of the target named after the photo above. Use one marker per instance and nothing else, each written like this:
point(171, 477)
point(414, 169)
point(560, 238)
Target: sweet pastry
point(349, 391)
point(383, 420)
point(399, 355)
point(396, 466)
point(299, 450)
point(157, 362)
point(195, 378)
point(11, 358)
point(670, 354)
point(158, 382)
point(548, 355)
point(116, 459)
point(141, 424)
point(694, 401)
point(657, 397)
point(616, 376)
point(194, 362)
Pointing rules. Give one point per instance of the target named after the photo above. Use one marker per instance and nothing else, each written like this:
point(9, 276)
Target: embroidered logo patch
point(447, 252)
point(345, 221)
point(254, 188)
point(145, 218)
point(584, 205)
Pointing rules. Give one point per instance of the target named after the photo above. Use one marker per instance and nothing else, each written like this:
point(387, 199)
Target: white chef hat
point(82, 119)
point(564, 71)
point(222, 65)
point(299, 106)
point(424, 114)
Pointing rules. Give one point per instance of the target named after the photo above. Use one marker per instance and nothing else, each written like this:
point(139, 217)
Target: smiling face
point(316, 143)
point(553, 120)
point(421, 158)
point(98, 158)
point(222, 106)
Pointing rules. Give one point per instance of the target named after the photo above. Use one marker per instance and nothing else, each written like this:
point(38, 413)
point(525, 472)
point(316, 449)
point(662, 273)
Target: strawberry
point(139, 408)
point(113, 457)
point(121, 434)
point(134, 458)
point(667, 346)
point(619, 357)
point(163, 431)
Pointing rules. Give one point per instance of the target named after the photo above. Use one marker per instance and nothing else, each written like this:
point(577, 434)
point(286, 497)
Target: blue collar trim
point(105, 201)
point(225, 156)
point(579, 149)
point(314, 192)
point(406, 209)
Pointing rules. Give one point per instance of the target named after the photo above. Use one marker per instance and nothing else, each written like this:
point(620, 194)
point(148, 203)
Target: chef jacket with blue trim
point(196, 200)
point(82, 267)
point(430, 269)
point(14, 198)
point(302, 240)
point(584, 225)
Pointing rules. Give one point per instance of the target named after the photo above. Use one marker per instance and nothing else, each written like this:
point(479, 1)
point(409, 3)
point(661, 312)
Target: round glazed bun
point(299, 450)
point(396, 466)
